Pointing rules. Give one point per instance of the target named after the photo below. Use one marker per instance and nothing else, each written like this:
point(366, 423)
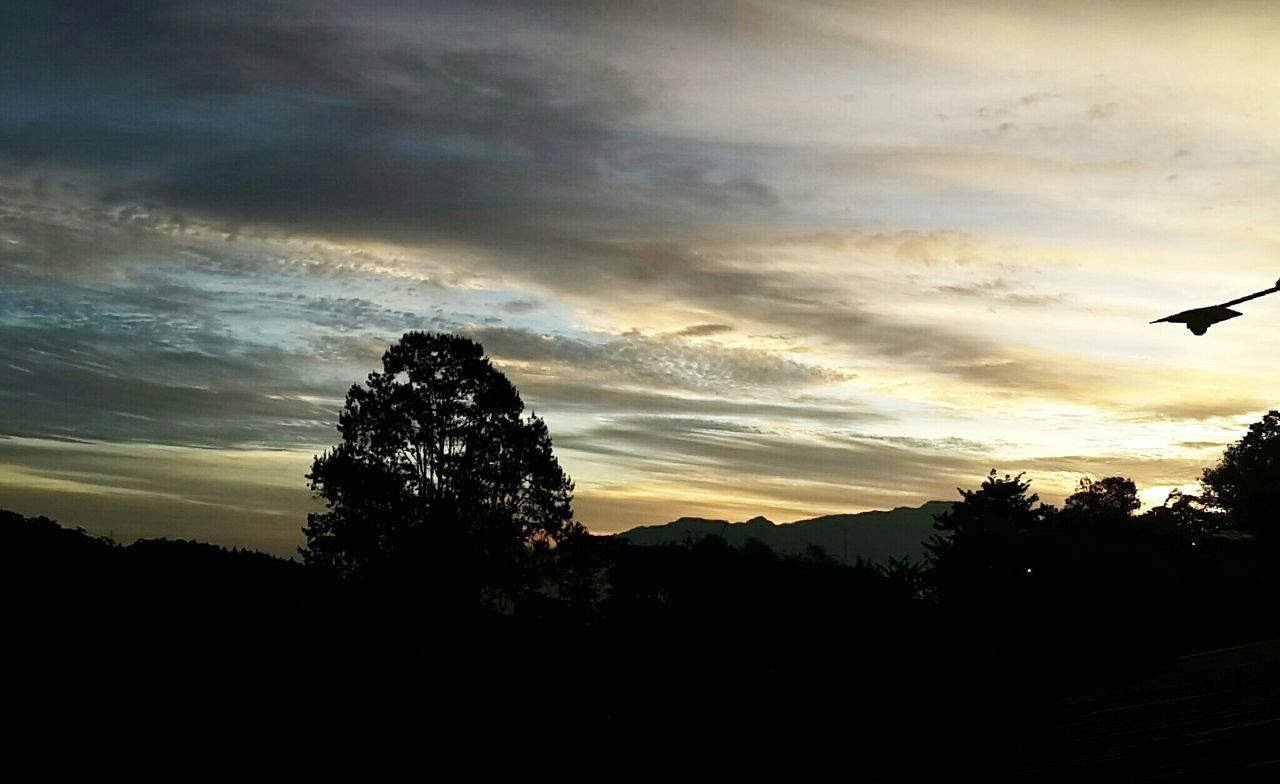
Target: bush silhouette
point(440, 479)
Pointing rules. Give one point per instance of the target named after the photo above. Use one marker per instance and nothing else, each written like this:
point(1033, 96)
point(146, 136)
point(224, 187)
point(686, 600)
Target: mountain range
point(873, 536)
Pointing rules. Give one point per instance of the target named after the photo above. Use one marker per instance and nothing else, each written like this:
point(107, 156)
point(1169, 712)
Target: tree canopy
point(983, 541)
point(439, 476)
point(1113, 496)
point(1245, 484)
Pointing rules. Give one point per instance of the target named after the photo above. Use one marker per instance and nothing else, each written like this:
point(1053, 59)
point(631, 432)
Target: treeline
point(63, 582)
point(1199, 570)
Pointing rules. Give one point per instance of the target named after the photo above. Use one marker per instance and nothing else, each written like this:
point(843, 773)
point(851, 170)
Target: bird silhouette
point(1198, 320)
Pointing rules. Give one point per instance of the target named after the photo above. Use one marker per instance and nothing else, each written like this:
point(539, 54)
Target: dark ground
point(1208, 714)
point(186, 646)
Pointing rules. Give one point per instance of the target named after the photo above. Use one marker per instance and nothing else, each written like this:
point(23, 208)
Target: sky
point(744, 258)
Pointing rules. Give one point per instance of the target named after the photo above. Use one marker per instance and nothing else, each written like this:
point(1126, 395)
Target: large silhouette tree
point(986, 541)
point(1245, 484)
point(440, 478)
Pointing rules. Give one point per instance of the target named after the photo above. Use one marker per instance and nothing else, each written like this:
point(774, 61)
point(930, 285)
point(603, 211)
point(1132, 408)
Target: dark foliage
point(985, 549)
point(1189, 513)
point(1113, 496)
point(65, 575)
point(1245, 484)
point(440, 481)
point(1094, 574)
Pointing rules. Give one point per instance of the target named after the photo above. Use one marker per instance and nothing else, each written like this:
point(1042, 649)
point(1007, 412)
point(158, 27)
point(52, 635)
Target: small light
point(1028, 570)
point(1193, 544)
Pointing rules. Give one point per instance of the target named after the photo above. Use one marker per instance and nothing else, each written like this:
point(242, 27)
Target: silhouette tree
point(1245, 484)
point(986, 538)
point(1114, 496)
point(440, 478)
point(1186, 512)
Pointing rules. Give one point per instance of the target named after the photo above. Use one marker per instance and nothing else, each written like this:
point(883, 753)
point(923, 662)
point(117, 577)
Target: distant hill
point(48, 563)
point(874, 536)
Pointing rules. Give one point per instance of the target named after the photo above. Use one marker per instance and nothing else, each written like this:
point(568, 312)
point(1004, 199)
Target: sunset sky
point(744, 258)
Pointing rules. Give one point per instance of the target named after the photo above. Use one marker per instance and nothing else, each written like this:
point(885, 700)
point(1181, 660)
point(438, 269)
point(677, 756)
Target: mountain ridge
point(875, 535)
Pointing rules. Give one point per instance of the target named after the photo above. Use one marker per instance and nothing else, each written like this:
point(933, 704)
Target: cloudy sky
point(744, 258)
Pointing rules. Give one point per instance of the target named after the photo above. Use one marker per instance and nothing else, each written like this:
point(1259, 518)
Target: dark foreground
point(714, 657)
point(1207, 713)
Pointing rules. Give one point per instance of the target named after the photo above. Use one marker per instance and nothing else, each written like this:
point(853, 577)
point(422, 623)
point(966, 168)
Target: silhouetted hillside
point(873, 536)
point(56, 567)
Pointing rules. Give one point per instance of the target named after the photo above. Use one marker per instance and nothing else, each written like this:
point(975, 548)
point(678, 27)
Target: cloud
point(658, 362)
point(537, 165)
point(999, 290)
point(790, 302)
point(1055, 477)
point(105, 382)
point(519, 306)
point(245, 499)
point(704, 330)
point(201, 342)
point(821, 472)
point(1200, 410)
point(579, 396)
point(1101, 111)
point(352, 130)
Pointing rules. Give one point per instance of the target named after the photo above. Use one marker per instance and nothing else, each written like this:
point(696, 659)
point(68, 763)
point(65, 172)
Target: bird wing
point(1212, 315)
